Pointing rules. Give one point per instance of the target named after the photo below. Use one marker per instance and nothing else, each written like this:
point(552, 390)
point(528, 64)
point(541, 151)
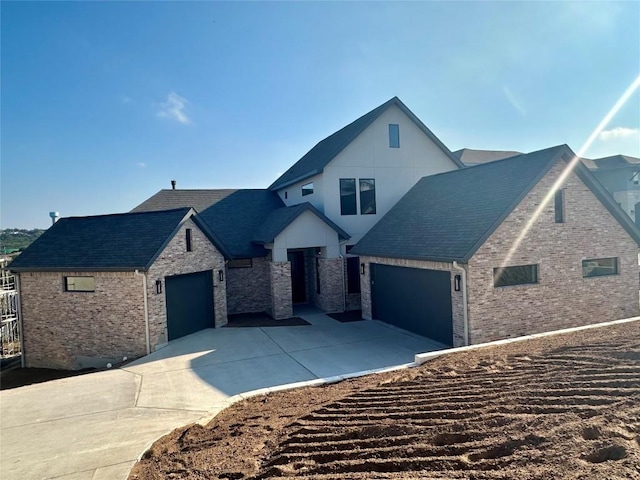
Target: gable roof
point(281, 218)
point(236, 218)
point(470, 156)
point(120, 242)
point(314, 161)
point(167, 199)
point(448, 216)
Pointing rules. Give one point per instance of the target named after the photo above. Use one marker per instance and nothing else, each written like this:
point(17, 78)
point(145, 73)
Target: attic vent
point(173, 184)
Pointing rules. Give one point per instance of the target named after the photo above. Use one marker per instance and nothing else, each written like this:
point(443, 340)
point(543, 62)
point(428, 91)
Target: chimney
point(54, 217)
point(173, 184)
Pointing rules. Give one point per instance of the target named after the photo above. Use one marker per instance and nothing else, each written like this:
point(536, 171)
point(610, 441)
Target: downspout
point(465, 305)
point(146, 311)
point(23, 360)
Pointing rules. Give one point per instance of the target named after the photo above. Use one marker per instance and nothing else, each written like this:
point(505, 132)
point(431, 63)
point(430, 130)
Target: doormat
point(350, 316)
point(262, 320)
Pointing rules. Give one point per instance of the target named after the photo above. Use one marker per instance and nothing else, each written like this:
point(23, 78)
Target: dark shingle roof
point(199, 200)
point(469, 156)
point(612, 162)
point(326, 150)
point(236, 218)
point(121, 242)
point(281, 218)
point(448, 216)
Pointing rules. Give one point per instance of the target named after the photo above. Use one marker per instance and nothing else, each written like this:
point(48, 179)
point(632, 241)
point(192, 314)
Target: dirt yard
point(563, 407)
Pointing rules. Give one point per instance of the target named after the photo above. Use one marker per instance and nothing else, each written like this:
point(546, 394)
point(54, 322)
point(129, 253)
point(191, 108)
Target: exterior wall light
point(456, 283)
point(362, 269)
point(158, 286)
point(221, 275)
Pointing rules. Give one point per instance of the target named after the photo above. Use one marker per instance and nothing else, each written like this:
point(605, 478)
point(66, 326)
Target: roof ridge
point(145, 212)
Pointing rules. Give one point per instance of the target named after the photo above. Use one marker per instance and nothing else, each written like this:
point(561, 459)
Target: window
point(348, 196)
point(559, 201)
point(353, 274)
point(394, 135)
point(188, 239)
point(80, 284)
point(307, 189)
point(518, 275)
point(367, 196)
point(597, 267)
point(240, 263)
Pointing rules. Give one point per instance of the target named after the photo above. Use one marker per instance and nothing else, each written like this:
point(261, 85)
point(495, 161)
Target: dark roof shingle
point(120, 242)
point(167, 199)
point(448, 216)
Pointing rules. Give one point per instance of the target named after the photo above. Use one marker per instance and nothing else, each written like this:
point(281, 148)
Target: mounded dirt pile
point(562, 407)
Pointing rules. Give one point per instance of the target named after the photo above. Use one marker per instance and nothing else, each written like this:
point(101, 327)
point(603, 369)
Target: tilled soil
point(562, 407)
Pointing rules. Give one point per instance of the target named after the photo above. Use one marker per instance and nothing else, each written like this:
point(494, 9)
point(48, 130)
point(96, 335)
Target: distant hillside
point(12, 239)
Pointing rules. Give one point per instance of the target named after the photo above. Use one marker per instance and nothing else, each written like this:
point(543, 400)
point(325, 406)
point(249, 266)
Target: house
point(290, 244)
point(97, 289)
point(497, 251)
point(620, 175)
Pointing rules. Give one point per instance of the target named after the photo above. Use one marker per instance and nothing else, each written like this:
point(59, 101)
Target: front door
point(298, 284)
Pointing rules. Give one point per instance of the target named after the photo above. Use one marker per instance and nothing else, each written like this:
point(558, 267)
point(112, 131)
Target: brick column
point(331, 296)
point(281, 300)
point(365, 289)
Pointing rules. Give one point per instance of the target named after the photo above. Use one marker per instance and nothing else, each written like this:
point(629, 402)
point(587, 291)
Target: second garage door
point(413, 299)
point(189, 303)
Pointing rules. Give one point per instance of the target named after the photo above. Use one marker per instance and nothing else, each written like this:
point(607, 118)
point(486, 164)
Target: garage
point(414, 299)
point(189, 303)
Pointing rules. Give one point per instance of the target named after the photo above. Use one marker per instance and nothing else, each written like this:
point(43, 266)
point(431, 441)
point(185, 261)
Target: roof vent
point(173, 184)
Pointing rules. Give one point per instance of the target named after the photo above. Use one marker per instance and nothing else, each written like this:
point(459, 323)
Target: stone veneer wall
point(352, 300)
point(71, 330)
point(175, 260)
point(562, 297)
point(281, 296)
point(330, 299)
point(457, 307)
point(249, 289)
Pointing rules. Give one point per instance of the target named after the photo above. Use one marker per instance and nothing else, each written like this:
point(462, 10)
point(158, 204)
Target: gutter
point(23, 360)
point(146, 311)
point(465, 302)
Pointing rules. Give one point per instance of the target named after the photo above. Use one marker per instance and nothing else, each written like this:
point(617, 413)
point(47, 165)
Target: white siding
point(304, 232)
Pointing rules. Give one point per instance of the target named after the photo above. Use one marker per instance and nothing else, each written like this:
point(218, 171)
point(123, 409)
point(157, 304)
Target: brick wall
point(69, 330)
point(175, 260)
point(562, 298)
point(248, 289)
point(457, 307)
point(330, 299)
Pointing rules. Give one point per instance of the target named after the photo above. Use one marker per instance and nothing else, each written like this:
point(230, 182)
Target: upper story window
point(394, 135)
point(188, 239)
point(307, 189)
point(559, 206)
point(597, 267)
point(367, 196)
point(348, 196)
point(80, 284)
point(517, 275)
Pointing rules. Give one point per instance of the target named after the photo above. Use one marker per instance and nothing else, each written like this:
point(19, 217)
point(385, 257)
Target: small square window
point(80, 284)
point(394, 135)
point(307, 189)
point(598, 267)
point(517, 275)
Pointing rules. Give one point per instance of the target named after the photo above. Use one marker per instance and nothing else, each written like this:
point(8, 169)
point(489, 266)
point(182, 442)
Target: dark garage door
point(414, 299)
point(189, 303)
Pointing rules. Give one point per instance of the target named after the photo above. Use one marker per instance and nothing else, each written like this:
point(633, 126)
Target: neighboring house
point(471, 157)
point(97, 289)
point(620, 175)
point(455, 259)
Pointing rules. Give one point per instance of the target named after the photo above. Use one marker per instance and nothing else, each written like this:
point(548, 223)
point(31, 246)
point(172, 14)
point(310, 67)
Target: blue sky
point(104, 103)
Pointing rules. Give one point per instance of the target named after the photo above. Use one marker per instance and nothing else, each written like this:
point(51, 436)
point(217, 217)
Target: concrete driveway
point(95, 426)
